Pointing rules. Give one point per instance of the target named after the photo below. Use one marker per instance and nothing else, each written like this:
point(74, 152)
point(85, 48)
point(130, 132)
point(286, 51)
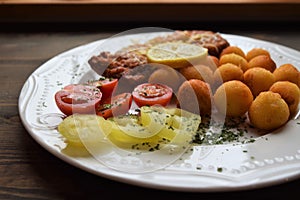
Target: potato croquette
point(256, 52)
point(195, 96)
point(268, 111)
point(233, 98)
point(167, 76)
point(262, 61)
point(258, 80)
point(234, 59)
point(233, 49)
point(215, 60)
point(200, 72)
point(289, 92)
point(287, 72)
point(227, 72)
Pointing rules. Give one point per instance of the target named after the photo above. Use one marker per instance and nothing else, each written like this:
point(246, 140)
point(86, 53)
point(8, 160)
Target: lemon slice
point(177, 54)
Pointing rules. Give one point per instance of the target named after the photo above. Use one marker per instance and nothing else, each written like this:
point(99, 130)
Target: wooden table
point(27, 171)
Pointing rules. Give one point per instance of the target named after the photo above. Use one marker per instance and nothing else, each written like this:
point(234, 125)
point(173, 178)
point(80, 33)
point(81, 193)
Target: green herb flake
point(151, 149)
point(107, 106)
point(58, 83)
point(251, 140)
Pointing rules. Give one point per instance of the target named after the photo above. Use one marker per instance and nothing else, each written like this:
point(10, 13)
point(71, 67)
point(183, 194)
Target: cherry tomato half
point(148, 94)
point(77, 98)
point(106, 86)
point(117, 105)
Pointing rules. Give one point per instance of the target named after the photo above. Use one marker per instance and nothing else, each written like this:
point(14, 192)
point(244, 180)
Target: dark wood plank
point(116, 14)
point(138, 1)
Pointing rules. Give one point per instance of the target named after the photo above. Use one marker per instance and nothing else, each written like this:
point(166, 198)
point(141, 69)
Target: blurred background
point(95, 15)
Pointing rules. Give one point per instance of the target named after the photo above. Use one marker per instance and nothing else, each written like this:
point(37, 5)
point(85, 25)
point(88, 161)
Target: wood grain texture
point(27, 171)
point(125, 13)
point(140, 1)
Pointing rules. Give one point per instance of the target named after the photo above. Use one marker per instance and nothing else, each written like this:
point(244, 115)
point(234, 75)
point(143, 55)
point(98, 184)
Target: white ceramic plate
point(271, 159)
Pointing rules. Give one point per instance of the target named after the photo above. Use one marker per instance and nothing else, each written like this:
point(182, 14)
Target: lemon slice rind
point(177, 54)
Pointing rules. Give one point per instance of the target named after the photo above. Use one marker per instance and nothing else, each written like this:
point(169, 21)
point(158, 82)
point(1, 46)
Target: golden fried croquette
point(233, 49)
point(262, 61)
point(167, 76)
point(227, 72)
point(258, 80)
point(233, 98)
point(289, 92)
point(256, 52)
point(200, 72)
point(195, 96)
point(268, 111)
point(234, 59)
point(215, 60)
point(287, 72)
